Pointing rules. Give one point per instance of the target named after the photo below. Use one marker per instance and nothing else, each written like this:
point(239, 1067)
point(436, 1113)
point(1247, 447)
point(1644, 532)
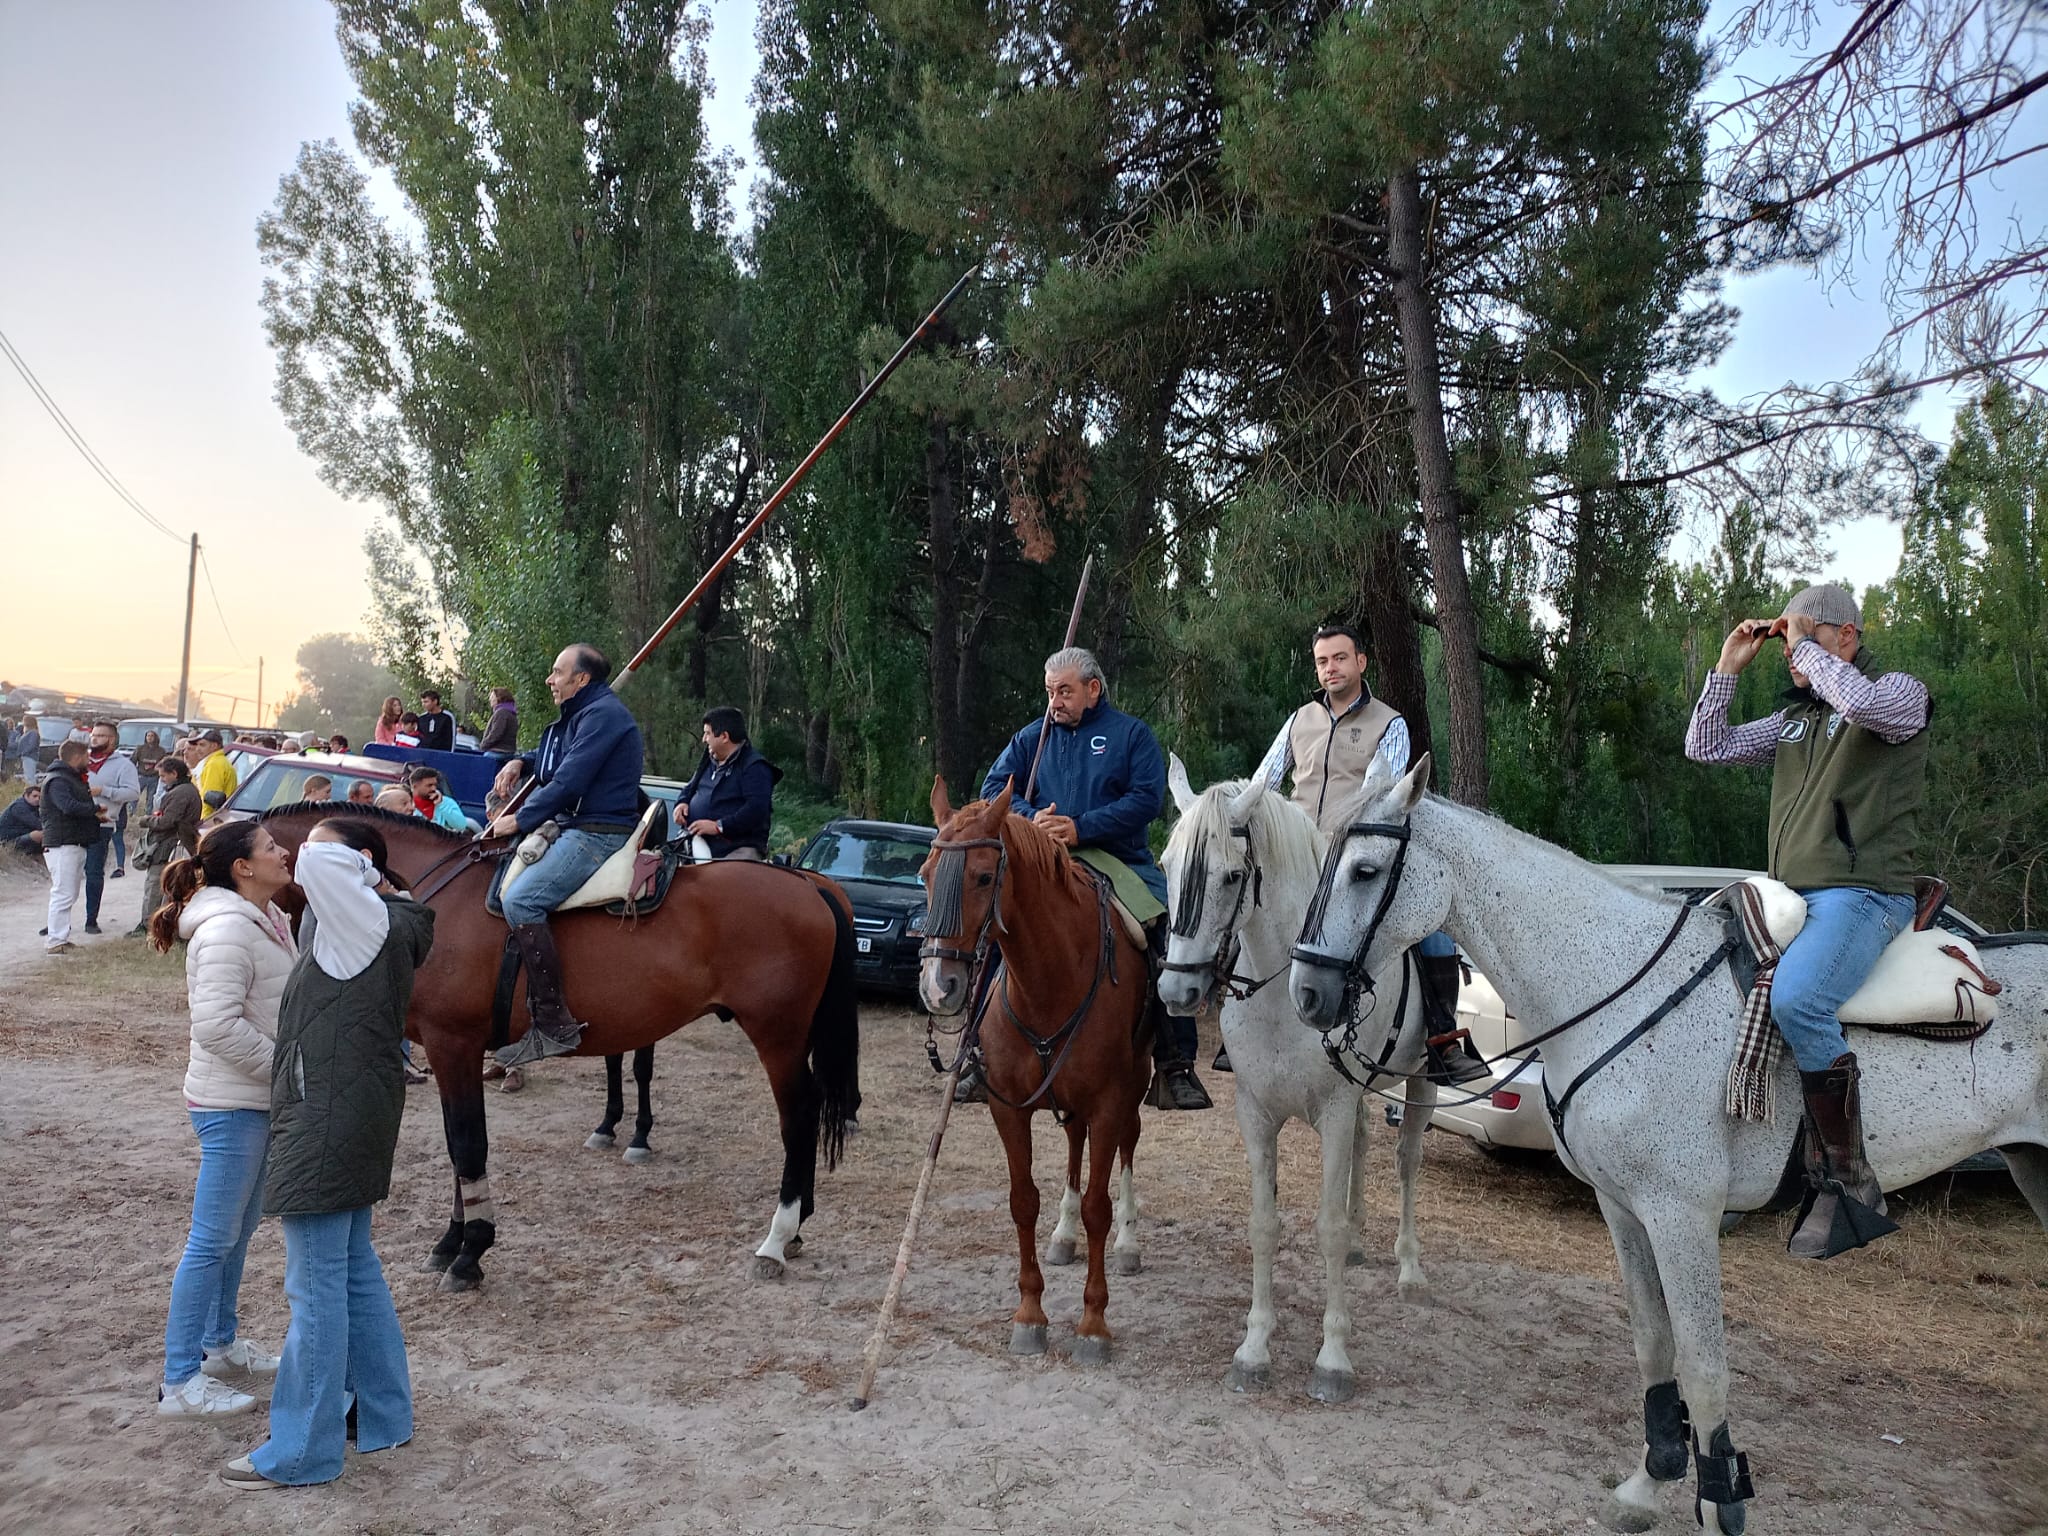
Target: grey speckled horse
point(1649, 1131)
point(1239, 871)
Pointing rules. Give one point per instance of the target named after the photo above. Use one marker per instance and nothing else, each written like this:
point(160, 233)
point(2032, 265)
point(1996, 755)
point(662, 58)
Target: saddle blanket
point(1132, 898)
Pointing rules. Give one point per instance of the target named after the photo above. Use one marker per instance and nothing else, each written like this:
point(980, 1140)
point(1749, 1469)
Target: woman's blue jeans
point(227, 1202)
point(1846, 930)
point(344, 1338)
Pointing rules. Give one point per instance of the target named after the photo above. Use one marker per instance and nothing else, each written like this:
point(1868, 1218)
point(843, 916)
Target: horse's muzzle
point(1316, 992)
point(942, 987)
point(1184, 992)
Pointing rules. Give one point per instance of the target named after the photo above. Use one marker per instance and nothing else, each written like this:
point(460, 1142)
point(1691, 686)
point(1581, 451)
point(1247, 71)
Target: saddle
point(631, 883)
point(1125, 890)
point(1928, 982)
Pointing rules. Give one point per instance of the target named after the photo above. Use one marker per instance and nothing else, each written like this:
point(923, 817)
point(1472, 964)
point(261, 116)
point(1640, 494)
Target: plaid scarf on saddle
point(1758, 1045)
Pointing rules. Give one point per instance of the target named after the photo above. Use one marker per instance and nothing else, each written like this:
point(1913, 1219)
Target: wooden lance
point(871, 1360)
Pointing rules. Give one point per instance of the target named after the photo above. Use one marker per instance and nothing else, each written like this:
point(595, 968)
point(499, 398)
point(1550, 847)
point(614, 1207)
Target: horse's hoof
point(1126, 1263)
point(1089, 1350)
point(1354, 1258)
point(639, 1154)
point(1630, 1518)
point(1416, 1291)
point(1327, 1386)
point(457, 1280)
point(1027, 1338)
point(1059, 1251)
point(437, 1263)
point(598, 1141)
point(768, 1268)
point(1248, 1378)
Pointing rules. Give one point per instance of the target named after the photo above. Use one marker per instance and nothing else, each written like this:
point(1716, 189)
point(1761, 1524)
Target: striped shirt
point(1894, 707)
point(1279, 758)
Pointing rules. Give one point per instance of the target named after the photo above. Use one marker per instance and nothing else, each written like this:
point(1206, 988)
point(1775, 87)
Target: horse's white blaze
point(1649, 1131)
point(1281, 1073)
point(1126, 1214)
point(780, 1230)
point(1068, 1228)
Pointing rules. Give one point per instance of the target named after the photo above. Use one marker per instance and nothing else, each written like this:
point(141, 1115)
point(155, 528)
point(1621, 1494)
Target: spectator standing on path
point(502, 733)
point(81, 730)
point(437, 726)
point(24, 742)
point(337, 1094)
point(171, 832)
point(71, 825)
point(147, 756)
point(386, 730)
point(114, 785)
point(21, 824)
point(212, 772)
point(239, 953)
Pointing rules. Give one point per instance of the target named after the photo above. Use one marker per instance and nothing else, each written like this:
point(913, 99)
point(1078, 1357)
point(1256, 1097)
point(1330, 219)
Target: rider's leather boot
point(1174, 1084)
point(553, 1031)
point(1844, 1204)
point(1452, 1061)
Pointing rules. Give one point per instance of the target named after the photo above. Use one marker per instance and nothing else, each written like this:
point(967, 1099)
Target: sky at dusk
point(142, 141)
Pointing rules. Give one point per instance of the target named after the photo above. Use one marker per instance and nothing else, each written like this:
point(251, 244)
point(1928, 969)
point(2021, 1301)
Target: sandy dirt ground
point(622, 1371)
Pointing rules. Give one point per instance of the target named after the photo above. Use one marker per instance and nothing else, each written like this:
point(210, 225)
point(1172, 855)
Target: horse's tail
point(835, 1036)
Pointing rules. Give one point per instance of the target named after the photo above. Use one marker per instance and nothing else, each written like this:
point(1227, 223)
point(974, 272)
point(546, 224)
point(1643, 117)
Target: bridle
point(1220, 967)
point(1357, 980)
point(949, 880)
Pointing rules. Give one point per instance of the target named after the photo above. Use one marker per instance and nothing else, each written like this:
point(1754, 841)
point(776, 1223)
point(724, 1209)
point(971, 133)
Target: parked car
point(280, 779)
point(876, 863)
point(1513, 1118)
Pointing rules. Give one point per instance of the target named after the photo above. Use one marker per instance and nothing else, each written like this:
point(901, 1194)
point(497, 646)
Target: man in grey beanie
point(1848, 748)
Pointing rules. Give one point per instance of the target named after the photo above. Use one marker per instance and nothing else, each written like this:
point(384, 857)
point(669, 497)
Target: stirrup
point(1175, 1086)
point(536, 1045)
point(1452, 1067)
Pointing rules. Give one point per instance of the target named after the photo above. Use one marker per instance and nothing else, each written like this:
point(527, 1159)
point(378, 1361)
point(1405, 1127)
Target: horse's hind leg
point(605, 1137)
point(2029, 1165)
point(1251, 1369)
point(1066, 1232)
point(1027, 1323)
point(1124, 1257)
point(474, 1227)
point(1415, 1120)
point(1333, 1380)
point(798, 1098)
point(1092, 1338)
point(637, 1150)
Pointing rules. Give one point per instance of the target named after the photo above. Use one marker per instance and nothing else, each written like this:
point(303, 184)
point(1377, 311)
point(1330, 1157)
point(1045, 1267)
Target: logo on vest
point(1356, 732)
point(1794, 730)
point(1834, 724)
point(1098, 745)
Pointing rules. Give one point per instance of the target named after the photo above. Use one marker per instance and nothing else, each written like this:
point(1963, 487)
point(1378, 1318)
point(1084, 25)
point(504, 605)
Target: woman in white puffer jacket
point(239, 952)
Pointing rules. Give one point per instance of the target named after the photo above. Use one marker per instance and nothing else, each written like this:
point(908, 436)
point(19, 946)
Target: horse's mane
point(1289, 846)
point(1039, 855)
point(327, 808)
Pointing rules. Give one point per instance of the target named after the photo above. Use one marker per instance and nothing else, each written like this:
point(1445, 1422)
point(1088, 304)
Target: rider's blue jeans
point(574, 858)
point(1437, 944)
point(1846, 930)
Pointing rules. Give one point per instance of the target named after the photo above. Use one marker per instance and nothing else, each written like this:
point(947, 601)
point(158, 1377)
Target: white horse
point(1648, 1129)
point(1239, 870)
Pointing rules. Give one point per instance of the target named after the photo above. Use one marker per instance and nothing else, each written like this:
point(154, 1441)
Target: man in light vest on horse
point(1329, 744)
point(587, 773)
point(1849, 752)
point(1101, 783)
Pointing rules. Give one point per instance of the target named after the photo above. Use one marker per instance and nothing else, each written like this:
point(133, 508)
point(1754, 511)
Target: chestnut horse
point(770, 948)
point(1064, 1030)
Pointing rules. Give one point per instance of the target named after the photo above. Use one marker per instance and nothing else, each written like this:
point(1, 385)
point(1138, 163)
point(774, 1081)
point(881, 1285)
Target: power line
point(77, 439)
point(217, 608)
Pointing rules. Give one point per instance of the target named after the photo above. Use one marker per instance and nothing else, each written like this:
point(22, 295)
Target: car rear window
point(281, 781)
point(859, 856)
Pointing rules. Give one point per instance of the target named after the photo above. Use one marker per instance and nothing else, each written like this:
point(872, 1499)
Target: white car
point(1512, 1117)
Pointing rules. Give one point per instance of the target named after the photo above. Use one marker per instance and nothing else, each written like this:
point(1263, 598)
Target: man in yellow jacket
point(212, 772)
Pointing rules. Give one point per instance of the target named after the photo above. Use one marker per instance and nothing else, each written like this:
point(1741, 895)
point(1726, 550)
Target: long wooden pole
point(754, 524)
point(871, 1359)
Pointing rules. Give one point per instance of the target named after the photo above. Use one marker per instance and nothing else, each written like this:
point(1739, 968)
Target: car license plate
point(866, 945)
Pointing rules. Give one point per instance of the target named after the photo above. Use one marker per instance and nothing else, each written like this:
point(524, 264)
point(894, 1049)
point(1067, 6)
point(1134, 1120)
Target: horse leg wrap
point(1724, 1472)
point(477, 1205)
point(1665, 1432)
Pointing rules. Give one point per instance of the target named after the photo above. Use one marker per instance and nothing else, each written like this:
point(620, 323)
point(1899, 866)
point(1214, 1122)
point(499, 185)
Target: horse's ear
point(1177, 782)
point(942, 808)
point(1411, 789)
point(1240, 808)
point(1002, 801)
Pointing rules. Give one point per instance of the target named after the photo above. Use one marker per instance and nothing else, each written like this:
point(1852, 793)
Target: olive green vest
point(1845, 803)
point(1331, 757)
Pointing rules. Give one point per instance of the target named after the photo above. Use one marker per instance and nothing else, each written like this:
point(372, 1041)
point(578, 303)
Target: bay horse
point(1064, 1030)
point(605, 1137)
point(1240, 868)
point(1635, 1067)
point(769, 948)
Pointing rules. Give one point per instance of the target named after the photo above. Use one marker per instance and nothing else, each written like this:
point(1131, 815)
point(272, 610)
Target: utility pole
point(259, 692)
point(185, 664)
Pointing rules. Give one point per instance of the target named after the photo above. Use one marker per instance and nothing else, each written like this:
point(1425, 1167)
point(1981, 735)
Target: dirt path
point(622, 1371)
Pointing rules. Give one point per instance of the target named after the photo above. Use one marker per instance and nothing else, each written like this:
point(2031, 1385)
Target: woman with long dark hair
point(238, 953)
point(337, 1092)
point(386, 729)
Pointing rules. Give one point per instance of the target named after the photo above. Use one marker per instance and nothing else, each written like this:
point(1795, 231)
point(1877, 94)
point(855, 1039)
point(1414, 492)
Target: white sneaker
point(239, 1358)
point(202, 1394)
